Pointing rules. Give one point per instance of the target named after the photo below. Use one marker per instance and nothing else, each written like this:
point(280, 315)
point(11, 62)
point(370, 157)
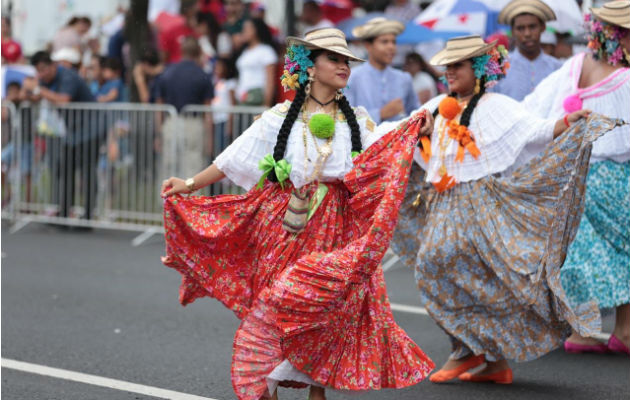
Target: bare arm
point(204, 178)
point(561, 127)
point(110, 96)
point(141, 83)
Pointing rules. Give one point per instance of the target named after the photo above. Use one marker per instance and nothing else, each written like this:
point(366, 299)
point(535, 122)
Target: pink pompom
point(572, 103)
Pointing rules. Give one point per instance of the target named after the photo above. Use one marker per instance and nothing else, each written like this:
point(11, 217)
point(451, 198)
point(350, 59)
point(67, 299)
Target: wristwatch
point(190, 184)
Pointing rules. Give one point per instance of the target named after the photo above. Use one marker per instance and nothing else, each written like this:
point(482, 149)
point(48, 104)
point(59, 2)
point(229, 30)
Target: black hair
point(112, 63)
point(542, 22)
point(231, 72)
point(208, 19)
point(102, 60)
point(41, 57)
point(424, 66)
point(263, 33)
point(86, 20)
point(300, 97)
point(467, 114)
point(150, 56)
point(14, 84)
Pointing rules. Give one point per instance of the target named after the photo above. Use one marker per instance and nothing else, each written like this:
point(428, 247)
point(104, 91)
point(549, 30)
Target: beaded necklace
point(324, 152)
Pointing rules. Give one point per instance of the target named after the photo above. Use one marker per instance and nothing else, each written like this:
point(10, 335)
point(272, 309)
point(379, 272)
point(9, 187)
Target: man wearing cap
point(528, 63)
point(385, 92)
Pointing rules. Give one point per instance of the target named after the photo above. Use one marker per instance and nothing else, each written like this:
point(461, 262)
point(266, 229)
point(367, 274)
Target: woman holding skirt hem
point(297, 257)
point(487, 238)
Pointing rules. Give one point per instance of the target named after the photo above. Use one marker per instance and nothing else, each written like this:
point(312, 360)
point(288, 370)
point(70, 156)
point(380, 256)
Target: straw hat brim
point(344, 51)
point(384, 27)
point(518, 7)
point(450, 56)
point(619, 16)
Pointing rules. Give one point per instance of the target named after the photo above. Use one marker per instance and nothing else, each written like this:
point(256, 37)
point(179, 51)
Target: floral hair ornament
point(296, 62)
point(491, 66)
point(603, 40)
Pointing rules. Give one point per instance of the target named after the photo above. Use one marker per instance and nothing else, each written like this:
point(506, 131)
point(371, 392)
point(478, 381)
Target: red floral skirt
point(317, 298)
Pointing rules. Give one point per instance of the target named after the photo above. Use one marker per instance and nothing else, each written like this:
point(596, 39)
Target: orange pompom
point(449, 107)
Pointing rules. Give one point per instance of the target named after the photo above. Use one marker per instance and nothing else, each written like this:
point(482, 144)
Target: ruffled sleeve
point(239, 161)
point(502, 128)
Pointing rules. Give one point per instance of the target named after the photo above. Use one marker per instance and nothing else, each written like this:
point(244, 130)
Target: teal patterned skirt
point(598, 264)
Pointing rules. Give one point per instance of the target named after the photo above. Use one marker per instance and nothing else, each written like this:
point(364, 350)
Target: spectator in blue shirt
point(185, 82)
point(75, 149)
point(56, 84)
point(529, 65)
point(113, 88)
point(181, 84)
point(389, 94)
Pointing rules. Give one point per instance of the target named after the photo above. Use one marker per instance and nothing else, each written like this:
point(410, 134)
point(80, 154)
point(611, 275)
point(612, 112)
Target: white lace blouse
point(610, 97)
point(239, 161)
point(502, 129)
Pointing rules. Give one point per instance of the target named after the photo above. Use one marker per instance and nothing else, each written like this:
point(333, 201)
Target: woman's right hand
point(173, 186)
point(575, 116)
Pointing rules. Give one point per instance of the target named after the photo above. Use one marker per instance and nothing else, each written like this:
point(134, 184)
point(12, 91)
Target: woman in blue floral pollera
point(486, 235)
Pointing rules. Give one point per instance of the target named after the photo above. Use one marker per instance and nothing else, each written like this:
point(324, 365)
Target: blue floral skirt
point(487, 253)
point(598, 263)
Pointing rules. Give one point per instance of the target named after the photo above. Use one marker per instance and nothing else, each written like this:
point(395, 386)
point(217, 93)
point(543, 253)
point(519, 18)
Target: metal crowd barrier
point(9, 126)
point(101, 165)
point(205, 131)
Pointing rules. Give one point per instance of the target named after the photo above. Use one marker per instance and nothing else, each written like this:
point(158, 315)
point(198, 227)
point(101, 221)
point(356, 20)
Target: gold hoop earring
point(477, 86)
point(339, 94)
point(626, 55)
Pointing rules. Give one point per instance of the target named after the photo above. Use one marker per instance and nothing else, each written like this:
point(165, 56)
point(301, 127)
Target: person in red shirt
point(170, 40)
point(11, 50)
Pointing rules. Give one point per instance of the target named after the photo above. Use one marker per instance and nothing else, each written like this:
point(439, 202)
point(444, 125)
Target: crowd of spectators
point(200, 52)
point(230, 34)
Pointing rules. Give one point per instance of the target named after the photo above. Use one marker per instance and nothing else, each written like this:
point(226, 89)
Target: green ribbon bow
point(355, 153)
point(267, 164)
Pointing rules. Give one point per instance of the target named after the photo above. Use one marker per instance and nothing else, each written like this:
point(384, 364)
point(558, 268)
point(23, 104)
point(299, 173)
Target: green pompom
point(322, 125)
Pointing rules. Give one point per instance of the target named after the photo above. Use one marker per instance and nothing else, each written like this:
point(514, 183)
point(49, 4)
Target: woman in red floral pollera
point(297, 257)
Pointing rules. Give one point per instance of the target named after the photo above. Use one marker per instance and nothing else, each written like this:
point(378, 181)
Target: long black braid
point(285, 130)
point(355, 132)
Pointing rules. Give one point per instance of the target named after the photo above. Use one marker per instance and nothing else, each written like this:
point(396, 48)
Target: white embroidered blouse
point(239, 161)
point(502, 129)
point(610, 97)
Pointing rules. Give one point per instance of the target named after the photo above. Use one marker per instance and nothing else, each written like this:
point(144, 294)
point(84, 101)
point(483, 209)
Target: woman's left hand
point(427, 127)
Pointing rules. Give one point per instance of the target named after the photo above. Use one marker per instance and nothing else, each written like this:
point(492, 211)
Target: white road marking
point(98, 381)
point(408, 309)
point(154, 391)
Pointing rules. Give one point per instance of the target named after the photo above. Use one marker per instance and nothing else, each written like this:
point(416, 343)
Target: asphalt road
point(92, 303)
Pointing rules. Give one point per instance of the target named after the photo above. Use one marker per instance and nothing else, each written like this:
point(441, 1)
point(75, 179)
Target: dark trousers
point(75, 167)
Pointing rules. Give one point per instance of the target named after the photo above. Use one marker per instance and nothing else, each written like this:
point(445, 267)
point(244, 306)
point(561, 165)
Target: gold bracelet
point(190, 184)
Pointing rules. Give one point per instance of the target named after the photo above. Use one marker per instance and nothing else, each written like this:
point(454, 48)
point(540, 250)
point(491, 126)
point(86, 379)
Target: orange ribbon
point(445, 183)
point(463, 136)
point(425, 148)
